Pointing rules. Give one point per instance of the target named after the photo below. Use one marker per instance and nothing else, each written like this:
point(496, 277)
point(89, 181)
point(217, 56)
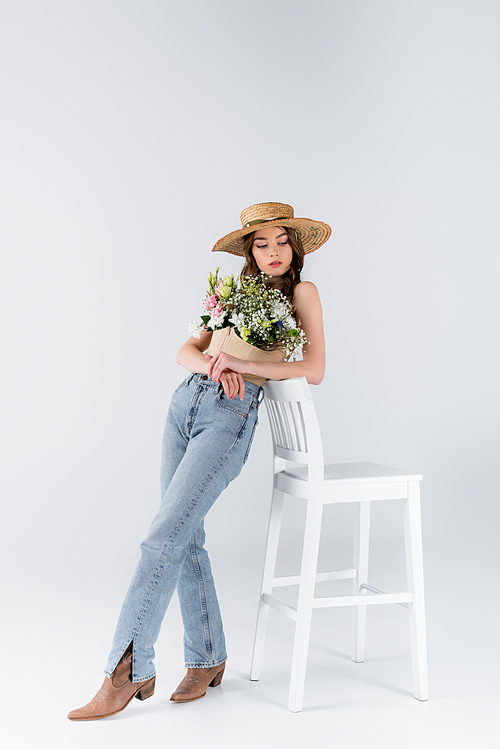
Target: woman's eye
point(285, 242)
point(261, 246)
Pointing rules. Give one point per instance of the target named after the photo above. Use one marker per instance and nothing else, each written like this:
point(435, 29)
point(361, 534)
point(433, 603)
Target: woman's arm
point(308, 310)
point(191, 356)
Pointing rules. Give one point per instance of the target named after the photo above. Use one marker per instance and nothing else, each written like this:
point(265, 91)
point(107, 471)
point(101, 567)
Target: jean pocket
point(236, 406)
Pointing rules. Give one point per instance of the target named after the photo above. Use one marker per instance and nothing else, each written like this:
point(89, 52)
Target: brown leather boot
point(194, 684)
point(115, 693)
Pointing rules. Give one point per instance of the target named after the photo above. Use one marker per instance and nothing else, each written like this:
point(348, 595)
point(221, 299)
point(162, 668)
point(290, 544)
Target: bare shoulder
point(305, 293)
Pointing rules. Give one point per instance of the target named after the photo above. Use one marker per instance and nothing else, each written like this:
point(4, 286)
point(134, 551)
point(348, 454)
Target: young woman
point(207, 438)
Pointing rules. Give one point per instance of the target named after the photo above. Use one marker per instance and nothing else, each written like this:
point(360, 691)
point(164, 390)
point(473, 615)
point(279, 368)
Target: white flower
point(195, 329)
point(238, 320)
point(278, 310)
point(216, 320)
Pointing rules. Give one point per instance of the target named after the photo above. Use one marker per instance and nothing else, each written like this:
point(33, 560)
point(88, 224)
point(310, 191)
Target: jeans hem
point(135, 680)
point(207, 665)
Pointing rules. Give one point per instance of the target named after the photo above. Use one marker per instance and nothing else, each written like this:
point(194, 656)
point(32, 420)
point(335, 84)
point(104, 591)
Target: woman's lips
point(275, 264)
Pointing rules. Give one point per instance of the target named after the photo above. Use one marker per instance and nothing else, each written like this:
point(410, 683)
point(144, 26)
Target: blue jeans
point(206, 442)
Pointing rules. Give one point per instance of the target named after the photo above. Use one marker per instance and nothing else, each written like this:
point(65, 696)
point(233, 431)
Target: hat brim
point(312, 234)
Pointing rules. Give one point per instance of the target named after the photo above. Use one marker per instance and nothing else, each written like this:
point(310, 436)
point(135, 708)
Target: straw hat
point(312, 233)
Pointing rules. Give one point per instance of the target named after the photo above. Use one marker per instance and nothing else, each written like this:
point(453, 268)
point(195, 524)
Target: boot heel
point(217, 679)
point(147, 691)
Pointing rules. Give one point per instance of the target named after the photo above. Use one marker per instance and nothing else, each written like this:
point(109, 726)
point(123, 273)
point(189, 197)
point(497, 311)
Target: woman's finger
point(241, 386)
point(211, 363)
point(219, 368)
point(216, 367)
point(234, 385)
point(228, 384)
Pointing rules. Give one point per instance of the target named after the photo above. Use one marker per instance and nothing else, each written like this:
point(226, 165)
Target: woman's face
point(272, 251)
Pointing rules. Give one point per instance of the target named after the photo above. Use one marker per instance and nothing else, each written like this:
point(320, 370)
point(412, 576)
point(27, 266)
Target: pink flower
point(211, 302)
point(216, 311)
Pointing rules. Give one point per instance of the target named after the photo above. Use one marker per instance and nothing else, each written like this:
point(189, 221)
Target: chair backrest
point(294, 424)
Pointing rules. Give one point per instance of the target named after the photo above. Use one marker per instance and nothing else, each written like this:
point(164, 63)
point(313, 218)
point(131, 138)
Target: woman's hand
point(231, 380)
point(221, 362)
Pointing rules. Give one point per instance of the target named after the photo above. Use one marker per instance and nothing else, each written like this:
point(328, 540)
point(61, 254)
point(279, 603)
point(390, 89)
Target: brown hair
point(288, 281)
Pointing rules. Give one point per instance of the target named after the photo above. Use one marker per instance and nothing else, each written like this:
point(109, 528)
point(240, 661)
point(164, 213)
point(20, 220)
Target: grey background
point(132, 135)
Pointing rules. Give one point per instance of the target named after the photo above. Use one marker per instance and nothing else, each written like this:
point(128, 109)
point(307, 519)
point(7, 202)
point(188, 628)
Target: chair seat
point(356, 473)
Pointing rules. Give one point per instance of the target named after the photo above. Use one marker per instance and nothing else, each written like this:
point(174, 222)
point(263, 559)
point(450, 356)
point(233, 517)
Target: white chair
point(297, 440)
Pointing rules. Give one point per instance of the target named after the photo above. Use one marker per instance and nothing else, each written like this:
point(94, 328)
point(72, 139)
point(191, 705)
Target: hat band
point(264, 220)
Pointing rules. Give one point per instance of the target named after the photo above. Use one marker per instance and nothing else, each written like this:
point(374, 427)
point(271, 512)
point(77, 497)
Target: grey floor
point(54, 652)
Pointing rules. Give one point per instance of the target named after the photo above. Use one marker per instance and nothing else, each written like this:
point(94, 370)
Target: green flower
point(212, 280)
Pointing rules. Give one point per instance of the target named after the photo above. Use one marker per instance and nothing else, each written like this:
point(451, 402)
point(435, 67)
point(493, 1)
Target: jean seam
point(196, 401)
point(250, 441)
point(201, 587)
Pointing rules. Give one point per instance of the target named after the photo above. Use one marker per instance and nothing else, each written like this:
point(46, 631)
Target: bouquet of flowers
point(260, 315)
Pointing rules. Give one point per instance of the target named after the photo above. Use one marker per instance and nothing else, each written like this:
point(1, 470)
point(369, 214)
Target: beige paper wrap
point(227, 340)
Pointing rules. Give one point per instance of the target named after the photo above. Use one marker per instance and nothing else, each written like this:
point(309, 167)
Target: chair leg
point(267, 582)
point(361, 554)
point(305, 603)
point(415, 582)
